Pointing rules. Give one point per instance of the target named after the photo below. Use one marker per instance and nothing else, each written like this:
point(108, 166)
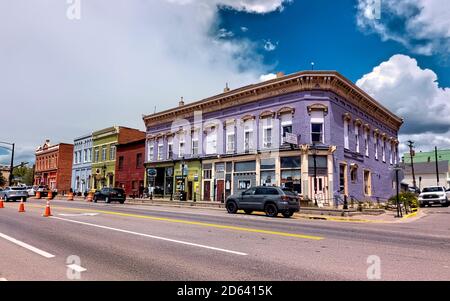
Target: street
point(98, 241)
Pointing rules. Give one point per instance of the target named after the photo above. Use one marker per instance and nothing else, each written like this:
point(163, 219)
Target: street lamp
point(11, 177)
point(397, 168)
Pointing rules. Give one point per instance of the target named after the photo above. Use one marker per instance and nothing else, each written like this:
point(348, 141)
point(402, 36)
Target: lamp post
point(397, 168)
point(104, 175)
point(182, 180)
point(11, 176)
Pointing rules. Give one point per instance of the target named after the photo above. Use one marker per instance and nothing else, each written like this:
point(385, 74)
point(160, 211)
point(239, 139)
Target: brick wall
point(129, 172)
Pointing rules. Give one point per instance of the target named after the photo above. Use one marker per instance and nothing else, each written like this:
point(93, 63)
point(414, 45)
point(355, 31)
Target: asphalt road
point(88, 241)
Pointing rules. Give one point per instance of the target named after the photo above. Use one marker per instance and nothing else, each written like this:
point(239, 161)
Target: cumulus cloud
point(267, 76)
point(414, 94)
point(269, 46)
point(422, 26)
point(119, 61)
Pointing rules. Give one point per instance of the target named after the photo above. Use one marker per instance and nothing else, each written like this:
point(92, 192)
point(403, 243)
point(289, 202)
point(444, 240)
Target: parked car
point(271, 200)
point(14, 194)
point(110, 194)
point(434, 195)
point(31, 190)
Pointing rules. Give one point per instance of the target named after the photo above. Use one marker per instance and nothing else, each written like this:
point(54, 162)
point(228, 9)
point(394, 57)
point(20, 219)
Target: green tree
point(2, 180)
point(25, 174)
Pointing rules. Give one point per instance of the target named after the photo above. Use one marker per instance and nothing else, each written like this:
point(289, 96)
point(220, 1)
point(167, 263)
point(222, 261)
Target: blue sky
point(324, 32)
point(100, 63)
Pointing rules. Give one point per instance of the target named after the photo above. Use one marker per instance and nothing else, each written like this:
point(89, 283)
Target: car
point(271, 200)
point(108, 194)
point(434, 195)
point(14, 194)
point(31, 190)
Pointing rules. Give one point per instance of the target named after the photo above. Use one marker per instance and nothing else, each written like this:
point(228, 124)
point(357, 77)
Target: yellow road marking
point(189, 222)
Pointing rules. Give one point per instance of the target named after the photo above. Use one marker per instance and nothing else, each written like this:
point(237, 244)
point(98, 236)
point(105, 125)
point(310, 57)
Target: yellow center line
point(286, 234)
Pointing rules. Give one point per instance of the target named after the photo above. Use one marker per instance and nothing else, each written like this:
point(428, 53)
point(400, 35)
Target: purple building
point(314, 132)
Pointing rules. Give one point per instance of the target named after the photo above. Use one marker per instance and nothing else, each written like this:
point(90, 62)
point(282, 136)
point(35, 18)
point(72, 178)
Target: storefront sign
point(290, 138)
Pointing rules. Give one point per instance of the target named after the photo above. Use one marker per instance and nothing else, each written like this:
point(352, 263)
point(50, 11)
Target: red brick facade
point(130, 167)
point(54, 166)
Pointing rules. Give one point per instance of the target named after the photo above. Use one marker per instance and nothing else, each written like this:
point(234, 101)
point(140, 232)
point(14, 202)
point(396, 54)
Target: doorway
point(319, 189)
point(189, 190)
point(207, 191)
point(220, 191)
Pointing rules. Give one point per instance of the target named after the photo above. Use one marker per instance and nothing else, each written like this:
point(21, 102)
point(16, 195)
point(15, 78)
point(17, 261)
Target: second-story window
point(376, 145)
point(211, 141)
point(317, 121)
point(85, 155)
point(139, 162)
point(96, 155)
point(150, 151)
point(346, 133)
point(267, 132)
point(112, 153)
point(366, 143)
point(104, 153)
point(120, 165)
point(286, 125)
point(170, 148)
point(160, 150)
point(230, 138)
point(248, 135)
point(383, 150)
point(357, 148)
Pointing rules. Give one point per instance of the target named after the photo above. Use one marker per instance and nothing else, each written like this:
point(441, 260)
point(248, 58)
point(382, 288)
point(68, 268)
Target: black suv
point(110, 194)
point(271, 200)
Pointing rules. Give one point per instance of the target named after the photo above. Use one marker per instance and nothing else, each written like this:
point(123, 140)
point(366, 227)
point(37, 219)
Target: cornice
point(301, 81)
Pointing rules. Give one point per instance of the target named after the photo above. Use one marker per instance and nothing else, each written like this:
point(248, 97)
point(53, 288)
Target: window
point(267, 132)
point(376, 145)
point(139, 162)
point(317, 127)
point(244, 184)
point(267, 173)
point(291, 173)
point(266, 191)
point(170, 148)
point(150, 152)
point(96, 154)
point(383, 151)
point(104, 153)
point(354, 174)
point(195, 147)
point(112, 152)
point(346, 133)
point(357, 138)
point(248, 135)
point(211, 141)
point(230, 138)
point(181, 148)
point(391, 149)
point(366, 143)
point(160, 151)
point(75, 160)
point(120, 165)
point(85, 155)
point(367, 183)
point(286, 125)
point(245, 166)
point(207, 174)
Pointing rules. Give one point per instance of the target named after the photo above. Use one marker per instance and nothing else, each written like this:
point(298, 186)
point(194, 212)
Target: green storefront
point(189, 181)
point(104, 144)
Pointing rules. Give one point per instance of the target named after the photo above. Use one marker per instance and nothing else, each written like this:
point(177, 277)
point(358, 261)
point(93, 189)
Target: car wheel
point(24, 200)
point(107, 200)
point(232, 207)
point(95, 200)
point(288, 214)
point(271, 210)
point(248, 211)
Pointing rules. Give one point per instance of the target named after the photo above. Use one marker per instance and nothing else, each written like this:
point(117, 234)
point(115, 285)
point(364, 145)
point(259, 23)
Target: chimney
point(181, 103)
point(280, 74)
point(226, 88)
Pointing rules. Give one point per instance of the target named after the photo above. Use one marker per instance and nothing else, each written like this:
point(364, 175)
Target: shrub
point(407, 198)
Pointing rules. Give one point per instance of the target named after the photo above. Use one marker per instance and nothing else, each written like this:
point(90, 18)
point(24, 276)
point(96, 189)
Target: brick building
point(54, 166)
point(130, 167)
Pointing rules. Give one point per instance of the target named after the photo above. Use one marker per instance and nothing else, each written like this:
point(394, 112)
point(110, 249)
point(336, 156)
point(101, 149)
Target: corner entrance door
point(220, 191)
point(321, 186)
point(207, 191)
point(189, 192)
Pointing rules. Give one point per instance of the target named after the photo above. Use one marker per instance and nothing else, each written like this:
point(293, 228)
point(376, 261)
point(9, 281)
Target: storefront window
point(245, 166)
point(290, 162)
point(291, 173)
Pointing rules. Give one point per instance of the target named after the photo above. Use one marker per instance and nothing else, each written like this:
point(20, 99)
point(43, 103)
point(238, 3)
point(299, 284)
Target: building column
point(304, 148)
point(258, 170)
point(330, 165)
point(278, 170)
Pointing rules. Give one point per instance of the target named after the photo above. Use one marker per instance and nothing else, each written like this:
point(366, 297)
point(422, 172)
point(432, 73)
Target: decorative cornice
point(347, 117)
point(266, 114)
point(302, 81)
point(247, 117)
point(358, 122)
point(285, 110)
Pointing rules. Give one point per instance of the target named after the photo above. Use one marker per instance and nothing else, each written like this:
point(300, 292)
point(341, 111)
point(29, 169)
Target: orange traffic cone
point(89, 197)
point(70, 196)
point(47, 211)
point(38, 194)
point(1, 203)
point(49, 195)
point(21, 207)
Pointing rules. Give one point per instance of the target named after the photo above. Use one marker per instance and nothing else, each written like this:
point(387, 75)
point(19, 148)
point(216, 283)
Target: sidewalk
point(329, 214)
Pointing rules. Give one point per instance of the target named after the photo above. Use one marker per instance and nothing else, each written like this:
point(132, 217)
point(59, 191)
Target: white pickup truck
point(434, 195)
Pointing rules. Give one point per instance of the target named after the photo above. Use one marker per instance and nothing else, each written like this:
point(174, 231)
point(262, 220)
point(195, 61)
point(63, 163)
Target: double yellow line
point(171, 220)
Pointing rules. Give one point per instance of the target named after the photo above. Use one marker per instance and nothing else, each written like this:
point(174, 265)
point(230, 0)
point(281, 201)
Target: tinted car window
point(266, 191)
point(250, 191)
point(17, 188)
point(433, 189)
point(118, 190)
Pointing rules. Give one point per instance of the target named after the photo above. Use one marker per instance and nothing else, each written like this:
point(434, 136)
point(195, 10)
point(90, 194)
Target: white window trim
point(357, 138)
point(346, 134)
point(160, 150)
point(150, 152)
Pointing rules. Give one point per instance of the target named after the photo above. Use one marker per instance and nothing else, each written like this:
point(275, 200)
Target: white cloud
point(244, 29)
point(269, 46)
point(268, 76)
point(224, 34)
point(118, 62)
point(414, 94)
point(420, 25)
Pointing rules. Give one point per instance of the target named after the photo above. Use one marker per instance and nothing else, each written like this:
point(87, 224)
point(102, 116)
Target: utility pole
point(411, 154)
point(11, 176)
point(437, 165)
